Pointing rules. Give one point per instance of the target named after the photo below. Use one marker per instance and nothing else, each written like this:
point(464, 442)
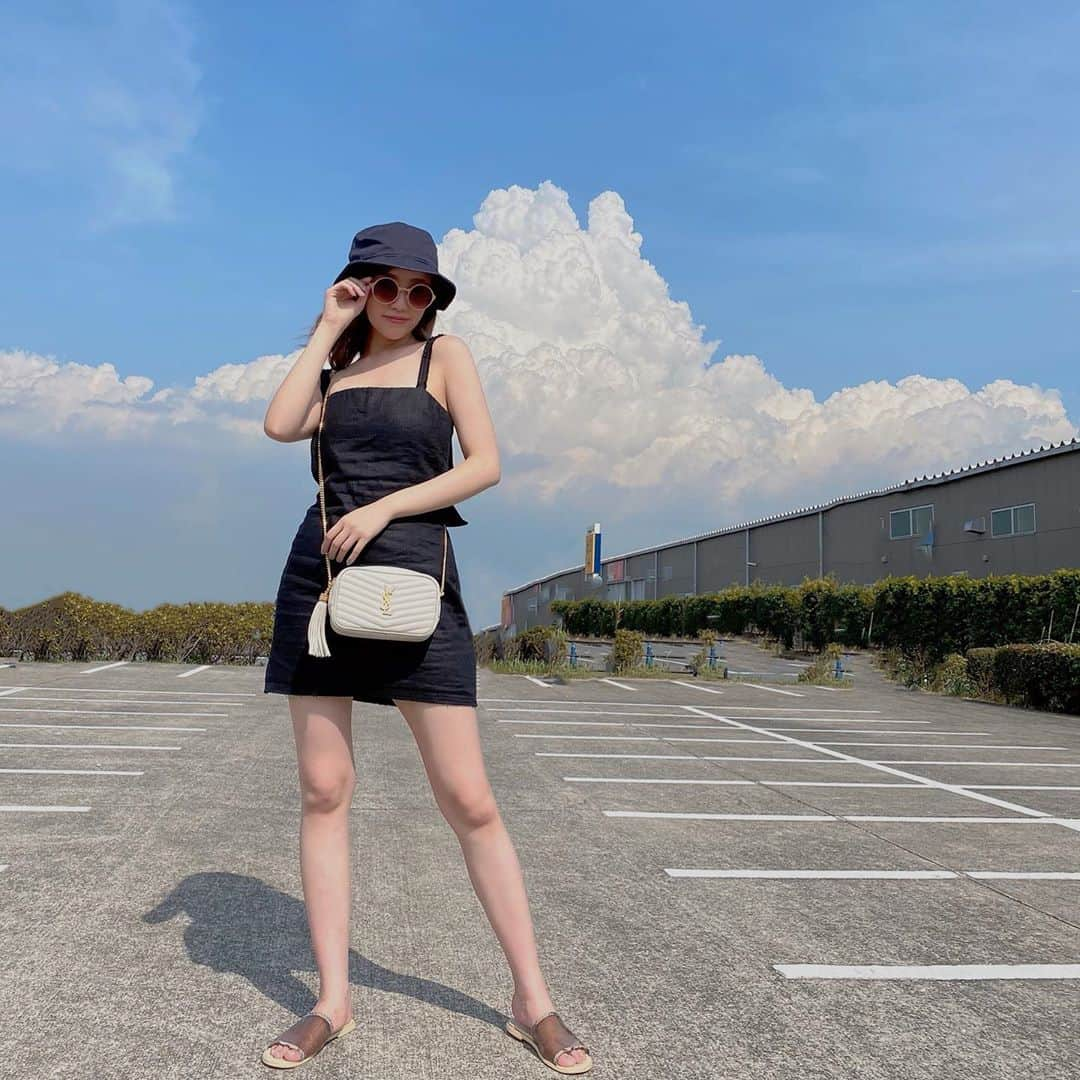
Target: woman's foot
point(527, 1011)
point(340, 1014)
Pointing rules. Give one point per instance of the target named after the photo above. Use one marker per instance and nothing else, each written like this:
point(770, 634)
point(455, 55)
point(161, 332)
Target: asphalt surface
point(152, 922)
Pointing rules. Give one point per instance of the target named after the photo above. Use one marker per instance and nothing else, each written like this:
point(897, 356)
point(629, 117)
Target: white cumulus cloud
point(604, 391)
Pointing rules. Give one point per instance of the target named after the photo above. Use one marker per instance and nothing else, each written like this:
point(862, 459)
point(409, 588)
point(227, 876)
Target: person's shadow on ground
point(239, 924)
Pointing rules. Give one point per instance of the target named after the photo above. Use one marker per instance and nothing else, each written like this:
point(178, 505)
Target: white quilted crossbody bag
point(391, 603)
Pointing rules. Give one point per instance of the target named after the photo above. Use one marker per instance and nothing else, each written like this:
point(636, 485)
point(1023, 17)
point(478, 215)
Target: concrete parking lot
point(727, 880)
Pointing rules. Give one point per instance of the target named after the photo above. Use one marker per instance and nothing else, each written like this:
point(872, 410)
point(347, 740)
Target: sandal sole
point(523, 1036)
point(286, 1063)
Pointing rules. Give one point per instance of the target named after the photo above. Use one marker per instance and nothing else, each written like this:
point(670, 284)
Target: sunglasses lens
point(384, 290)
point(420, 296)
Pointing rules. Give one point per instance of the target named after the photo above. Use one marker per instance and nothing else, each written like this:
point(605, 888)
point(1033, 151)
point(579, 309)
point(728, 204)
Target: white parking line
point(539, 682)
point(866, 731)
point(81, 746)
point(1020, 787)
point(871, 875)
point(79, 772)
point(828, 720)
point(727, 708)
point(1024, 875)
point(109, 701)
point(1073, 823)
point(911, 785)
point(694, 686)
point(772, 689)
point(928, 971)
point(11, 808)
point(105, 727)
point(112, 712)
point(11, 690)
point(193, 671)
point(830, 875)
point(135, 690)
point(104, 667)
point(1005, 764)
point(941, 746)
point(620, 685)
point(889, 768)
point(554, 711)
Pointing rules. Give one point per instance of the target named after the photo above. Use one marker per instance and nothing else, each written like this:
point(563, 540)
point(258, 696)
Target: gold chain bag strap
point(391, 603)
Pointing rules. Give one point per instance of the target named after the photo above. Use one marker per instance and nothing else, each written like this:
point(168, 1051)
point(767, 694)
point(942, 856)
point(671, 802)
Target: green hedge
point(1043, 676)
point(932, 616)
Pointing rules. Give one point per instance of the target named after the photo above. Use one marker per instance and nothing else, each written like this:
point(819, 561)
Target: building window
point(1013, 520)
point(532, 603)
point(916, 521)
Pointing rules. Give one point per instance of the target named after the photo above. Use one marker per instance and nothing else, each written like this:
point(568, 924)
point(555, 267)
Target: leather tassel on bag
point(316, 631)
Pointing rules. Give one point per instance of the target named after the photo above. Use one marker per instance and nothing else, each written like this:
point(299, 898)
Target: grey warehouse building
point(1016, 514)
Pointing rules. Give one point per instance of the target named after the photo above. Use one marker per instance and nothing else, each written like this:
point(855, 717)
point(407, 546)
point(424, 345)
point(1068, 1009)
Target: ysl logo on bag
point(386, 595)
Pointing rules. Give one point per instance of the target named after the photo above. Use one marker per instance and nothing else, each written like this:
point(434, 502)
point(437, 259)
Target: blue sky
point(713, 262)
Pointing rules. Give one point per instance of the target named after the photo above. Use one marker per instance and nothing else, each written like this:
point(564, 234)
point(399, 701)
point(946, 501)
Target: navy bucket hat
point(397, 244)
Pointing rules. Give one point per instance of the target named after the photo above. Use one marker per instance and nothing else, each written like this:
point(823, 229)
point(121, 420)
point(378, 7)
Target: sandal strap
point(305, 1036)
point(555, 1037)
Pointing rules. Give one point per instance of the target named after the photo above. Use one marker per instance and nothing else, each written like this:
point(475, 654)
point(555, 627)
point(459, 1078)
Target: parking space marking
point(539, 682)
point(193, 671)
point(1020, 787)
point(827, 875)
point(1024, 875)
point(106, 727)
point(81, 746)
point(1073, 823)
point(928, 971)
point(79, 772)
point(192, 695)
point(12, 690)
point(889, 768)
point(675, 711)
point(103, 667)
point(111, 712)
point(17, 809)
point(109, 701)
point(676, 705)
point(772, 689)
point(680, 757)
point(941, 746)
point(620, 685)
point(1006, 764)
point(695, 686)
point(876, 875)
point(868, 731)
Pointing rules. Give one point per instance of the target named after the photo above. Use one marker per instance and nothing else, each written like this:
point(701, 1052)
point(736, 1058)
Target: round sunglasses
point(386, 289)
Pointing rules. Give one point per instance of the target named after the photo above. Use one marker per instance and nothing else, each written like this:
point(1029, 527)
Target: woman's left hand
point(349, 535)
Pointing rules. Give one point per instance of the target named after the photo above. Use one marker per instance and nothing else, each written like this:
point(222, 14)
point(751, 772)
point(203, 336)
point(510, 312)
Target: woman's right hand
point(345, 300)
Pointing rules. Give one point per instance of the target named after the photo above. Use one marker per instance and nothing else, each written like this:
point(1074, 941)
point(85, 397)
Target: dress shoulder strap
point(425, 361)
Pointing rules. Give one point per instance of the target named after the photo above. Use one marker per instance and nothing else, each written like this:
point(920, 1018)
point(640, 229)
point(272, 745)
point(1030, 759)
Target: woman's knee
point(468, 808)
point(325, 787)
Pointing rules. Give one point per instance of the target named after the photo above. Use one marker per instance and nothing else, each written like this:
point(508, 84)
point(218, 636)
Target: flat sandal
point(308, 1036)
point(550, 1040)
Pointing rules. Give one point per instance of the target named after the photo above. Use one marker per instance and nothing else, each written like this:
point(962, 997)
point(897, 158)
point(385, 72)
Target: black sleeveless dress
point(375, 440)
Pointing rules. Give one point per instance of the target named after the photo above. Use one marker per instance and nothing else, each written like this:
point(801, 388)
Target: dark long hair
point(354, 338)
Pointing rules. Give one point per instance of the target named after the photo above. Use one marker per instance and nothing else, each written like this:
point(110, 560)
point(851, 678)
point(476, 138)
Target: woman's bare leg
point(449, 742)
point(322, 728)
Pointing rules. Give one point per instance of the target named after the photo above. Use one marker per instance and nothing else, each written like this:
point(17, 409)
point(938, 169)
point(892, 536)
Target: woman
point(393, 399)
